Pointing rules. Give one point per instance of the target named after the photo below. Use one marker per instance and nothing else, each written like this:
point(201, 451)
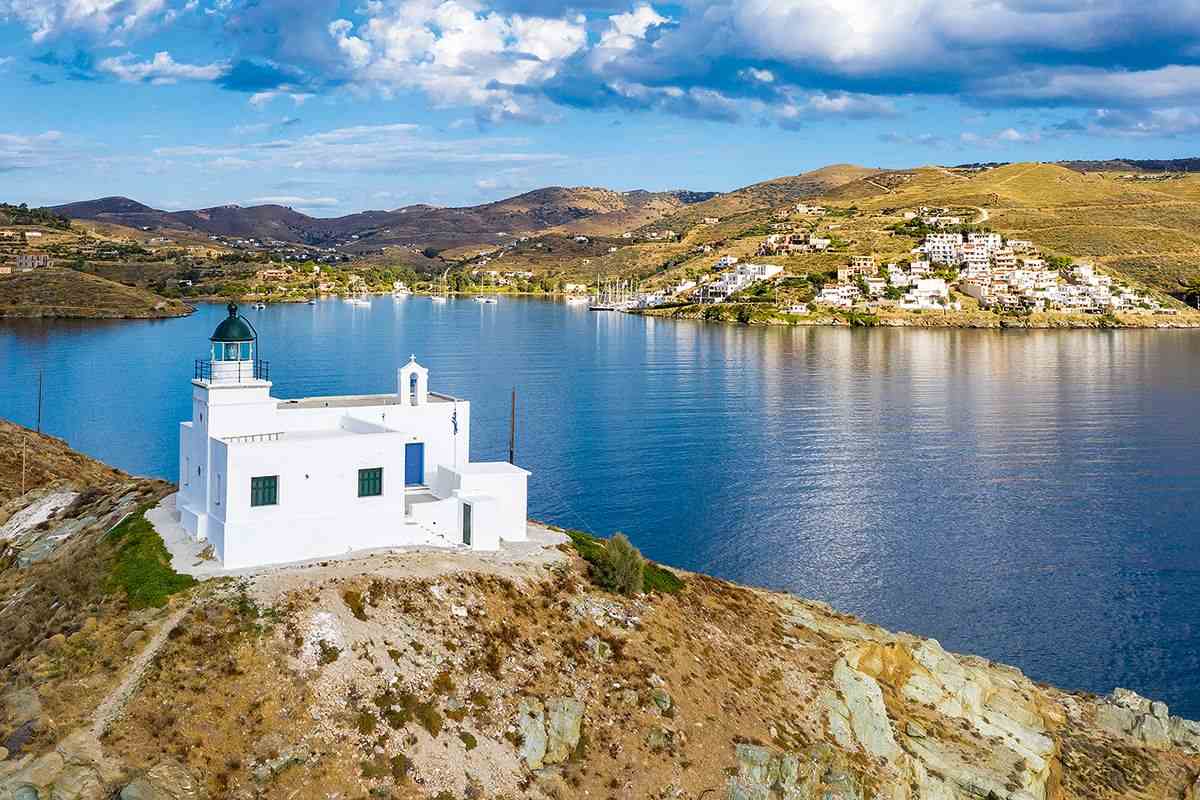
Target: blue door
point(414, 464)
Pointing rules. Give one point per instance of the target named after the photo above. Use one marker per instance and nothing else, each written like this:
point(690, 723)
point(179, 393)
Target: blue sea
point(1029, 496)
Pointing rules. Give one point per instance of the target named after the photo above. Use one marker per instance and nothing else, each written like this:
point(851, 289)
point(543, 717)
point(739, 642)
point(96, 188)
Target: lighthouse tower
point(231, 396)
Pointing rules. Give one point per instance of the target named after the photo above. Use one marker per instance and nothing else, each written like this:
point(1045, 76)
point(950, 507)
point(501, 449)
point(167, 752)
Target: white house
point(270, 481)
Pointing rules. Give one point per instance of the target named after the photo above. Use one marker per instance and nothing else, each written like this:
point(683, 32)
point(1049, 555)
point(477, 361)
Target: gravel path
point(113, 705)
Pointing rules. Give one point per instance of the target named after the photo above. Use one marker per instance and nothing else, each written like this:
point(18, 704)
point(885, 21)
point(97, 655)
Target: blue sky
point(333, 107)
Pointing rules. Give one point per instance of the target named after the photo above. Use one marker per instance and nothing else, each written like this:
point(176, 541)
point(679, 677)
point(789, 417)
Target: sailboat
point(610, 296)
point(441, 295)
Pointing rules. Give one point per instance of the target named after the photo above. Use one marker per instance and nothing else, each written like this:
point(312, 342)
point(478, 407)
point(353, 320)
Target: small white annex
point(269, 481)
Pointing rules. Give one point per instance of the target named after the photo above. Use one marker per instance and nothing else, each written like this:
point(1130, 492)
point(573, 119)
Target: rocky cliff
point(421, 674)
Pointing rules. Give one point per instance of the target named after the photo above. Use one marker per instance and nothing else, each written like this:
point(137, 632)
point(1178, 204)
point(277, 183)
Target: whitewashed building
point(267, 481)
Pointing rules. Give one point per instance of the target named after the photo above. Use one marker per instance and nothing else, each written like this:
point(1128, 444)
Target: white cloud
point(21, 151)
point(296, 201)
point(458, 55)
point(261, 100)
point(397, 148)
point(1088, 85)
point(162, 69)
point(1001, 138)
point(759, 75)
point(49, 19)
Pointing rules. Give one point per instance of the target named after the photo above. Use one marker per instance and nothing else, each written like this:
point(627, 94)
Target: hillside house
point(858, 266)
point(28, 262)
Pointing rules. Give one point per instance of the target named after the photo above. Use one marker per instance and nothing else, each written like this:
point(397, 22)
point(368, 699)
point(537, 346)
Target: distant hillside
point(23, 215)
point(1148, 230)
point(421, 225)
point(775, 193)
point(67, 293)
point(1135, 165)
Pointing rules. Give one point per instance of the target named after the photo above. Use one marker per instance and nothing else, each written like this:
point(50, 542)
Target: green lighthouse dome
point(233, 328)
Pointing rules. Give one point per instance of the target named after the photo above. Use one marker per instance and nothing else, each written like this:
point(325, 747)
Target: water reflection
point(1030, 496)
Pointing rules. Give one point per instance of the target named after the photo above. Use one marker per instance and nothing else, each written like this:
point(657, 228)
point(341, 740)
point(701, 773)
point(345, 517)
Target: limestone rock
point(78, 782)
point(1127, 698)
point(168, 780)
point(599, 649)
point(837, 718)
point(818, 772)
point(564, 725)
point(531, 723)
point(868, 715)
point(1152, 732)
point(661, 699)
point(1185, 733)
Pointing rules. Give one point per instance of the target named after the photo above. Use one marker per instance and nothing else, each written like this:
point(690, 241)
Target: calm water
point(1031, 497)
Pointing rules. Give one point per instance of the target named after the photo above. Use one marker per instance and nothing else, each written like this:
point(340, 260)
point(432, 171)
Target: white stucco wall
point(315, 447)
point(319, 512)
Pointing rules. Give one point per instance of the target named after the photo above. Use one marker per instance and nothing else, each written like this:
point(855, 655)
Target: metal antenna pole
point(512, 429)
point(41, 373)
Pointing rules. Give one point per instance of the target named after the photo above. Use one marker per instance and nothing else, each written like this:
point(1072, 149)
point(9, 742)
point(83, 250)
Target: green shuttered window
point(264, 491)
point(370, 482)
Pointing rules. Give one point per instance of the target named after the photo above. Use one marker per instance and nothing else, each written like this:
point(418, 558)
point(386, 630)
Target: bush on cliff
point(595, 551)
point(621, 569)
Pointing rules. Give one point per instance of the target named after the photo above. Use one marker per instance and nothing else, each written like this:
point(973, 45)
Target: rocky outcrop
point(548, 734)
point(818, 772)
point(76, 769)
point(1126, 714)
point(168, 780)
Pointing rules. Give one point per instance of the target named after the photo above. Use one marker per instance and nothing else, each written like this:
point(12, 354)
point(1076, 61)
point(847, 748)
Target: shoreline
point(973, 320)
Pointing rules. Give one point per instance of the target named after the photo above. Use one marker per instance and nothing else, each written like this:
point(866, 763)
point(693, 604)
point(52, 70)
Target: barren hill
point(67, 293)
point(452, 674)
point(421, 225)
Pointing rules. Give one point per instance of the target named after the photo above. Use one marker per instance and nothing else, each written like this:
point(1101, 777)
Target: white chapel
point(269, 481)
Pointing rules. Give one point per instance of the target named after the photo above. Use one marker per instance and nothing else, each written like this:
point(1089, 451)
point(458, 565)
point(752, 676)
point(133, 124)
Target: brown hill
point(421, 225)
point(67, 293)
point(32, 461)
point(772, 194)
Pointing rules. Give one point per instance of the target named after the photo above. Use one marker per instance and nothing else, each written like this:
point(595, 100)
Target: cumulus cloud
point(713, 59)
point(162, 69)
point(48, 20)
point(457, 55)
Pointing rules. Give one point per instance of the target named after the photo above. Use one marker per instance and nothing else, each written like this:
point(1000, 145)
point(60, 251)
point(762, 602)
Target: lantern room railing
point(232, 371)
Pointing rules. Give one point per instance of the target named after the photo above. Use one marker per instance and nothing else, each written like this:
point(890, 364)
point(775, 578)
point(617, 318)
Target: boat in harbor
point(611, 296)
point(486, 300)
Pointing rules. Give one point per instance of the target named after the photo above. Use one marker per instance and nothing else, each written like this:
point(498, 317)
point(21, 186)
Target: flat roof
point(357, 401)
point(490, 468)
point(298, 436)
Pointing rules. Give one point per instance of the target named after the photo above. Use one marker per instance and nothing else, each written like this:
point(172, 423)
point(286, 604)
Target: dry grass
point(67, 293)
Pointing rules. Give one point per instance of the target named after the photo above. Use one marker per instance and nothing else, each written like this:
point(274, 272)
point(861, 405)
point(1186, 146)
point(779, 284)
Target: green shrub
point(621, 568)
point(142, 565)
point(595, 552)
